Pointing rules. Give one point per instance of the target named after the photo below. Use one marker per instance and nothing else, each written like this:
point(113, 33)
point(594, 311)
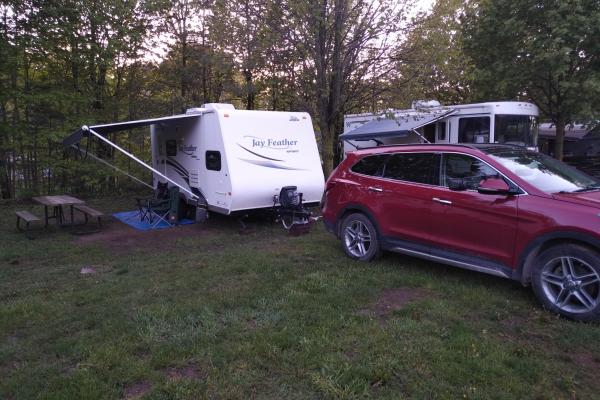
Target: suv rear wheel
point(359, 237)
point(566, 279)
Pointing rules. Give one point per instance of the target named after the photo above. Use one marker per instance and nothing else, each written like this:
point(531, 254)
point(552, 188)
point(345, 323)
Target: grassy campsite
point(171, 173)
point(203, 311)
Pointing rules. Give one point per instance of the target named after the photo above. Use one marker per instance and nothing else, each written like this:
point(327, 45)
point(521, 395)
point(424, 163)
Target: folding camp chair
point(161, 193)
point(166, 210)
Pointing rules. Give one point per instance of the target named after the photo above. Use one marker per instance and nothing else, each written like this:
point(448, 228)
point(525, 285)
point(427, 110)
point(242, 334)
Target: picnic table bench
point(25, 216)
point(88, 212)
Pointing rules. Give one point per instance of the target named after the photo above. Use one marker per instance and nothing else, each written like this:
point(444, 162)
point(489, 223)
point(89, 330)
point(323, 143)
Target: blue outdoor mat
point(132, 219)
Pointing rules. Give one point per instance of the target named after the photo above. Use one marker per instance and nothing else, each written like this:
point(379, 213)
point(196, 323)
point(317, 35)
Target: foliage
point(66, 63)
point(431, 63)
point(546, 51)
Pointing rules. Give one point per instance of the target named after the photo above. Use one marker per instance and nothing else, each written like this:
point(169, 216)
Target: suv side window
point(470, 169)
point(414, 167)
point(370, 165)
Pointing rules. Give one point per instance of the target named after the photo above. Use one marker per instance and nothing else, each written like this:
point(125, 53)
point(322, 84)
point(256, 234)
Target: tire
point(566, 280)
point(359, 238)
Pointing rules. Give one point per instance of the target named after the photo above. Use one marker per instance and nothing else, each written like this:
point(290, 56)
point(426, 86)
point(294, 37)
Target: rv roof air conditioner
point(417, 104)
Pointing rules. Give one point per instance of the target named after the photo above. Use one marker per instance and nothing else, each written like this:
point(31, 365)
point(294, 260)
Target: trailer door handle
point(375, 189)
point(447, 202)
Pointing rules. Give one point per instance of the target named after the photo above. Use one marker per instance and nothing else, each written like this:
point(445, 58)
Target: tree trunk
point(560, 137)
point(326, 149)
point(184, 84)
point(249, 89)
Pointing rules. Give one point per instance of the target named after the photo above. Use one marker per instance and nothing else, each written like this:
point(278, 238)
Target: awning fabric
point(397, 127)
point(103, 129)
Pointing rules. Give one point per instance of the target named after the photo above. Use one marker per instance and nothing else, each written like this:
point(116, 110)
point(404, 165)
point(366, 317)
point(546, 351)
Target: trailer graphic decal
point(259, 155)
point(180, 170)
point(188, 149)
point(270, 164)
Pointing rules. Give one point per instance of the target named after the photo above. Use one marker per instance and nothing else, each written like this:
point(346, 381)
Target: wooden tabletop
point(61, 200)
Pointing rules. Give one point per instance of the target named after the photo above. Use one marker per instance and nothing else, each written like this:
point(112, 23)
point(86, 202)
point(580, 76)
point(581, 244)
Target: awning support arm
point(128, 154)
point(86, 153)
point(422, 137)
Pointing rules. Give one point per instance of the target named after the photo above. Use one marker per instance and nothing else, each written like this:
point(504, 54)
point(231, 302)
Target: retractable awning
point(104, 129)
point(396, 127)
point(99, 131)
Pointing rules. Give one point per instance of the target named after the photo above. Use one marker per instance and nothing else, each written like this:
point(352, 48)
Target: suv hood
point(591, 198)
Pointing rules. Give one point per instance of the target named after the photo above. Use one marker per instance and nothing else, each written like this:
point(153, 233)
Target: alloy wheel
point(357, 238)
point(571, 284)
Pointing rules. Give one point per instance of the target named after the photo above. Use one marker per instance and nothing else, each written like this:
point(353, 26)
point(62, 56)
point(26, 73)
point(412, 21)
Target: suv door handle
point(375, 189)
point(447, 202)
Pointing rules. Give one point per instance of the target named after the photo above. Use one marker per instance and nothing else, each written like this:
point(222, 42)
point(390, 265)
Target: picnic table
point(57, 203)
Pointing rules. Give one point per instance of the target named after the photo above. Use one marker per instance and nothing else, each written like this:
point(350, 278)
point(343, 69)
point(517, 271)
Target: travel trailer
point(511, 122)
point(226, 160)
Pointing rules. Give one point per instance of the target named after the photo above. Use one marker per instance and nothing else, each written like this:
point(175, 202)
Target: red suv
point(498, 209)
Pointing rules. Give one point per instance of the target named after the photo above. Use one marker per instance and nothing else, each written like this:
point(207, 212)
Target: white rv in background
point(512, 122)
point(225, 159)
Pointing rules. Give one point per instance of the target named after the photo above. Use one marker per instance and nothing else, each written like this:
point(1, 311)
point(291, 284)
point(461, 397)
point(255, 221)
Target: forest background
point(66, 63)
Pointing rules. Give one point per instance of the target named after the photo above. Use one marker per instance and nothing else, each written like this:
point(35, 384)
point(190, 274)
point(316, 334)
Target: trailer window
point(474, 130)
point(171, 148)
point(441, 131)
point(213, 160)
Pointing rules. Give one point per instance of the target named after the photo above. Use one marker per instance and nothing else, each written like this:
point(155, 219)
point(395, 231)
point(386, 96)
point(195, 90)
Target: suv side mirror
point(494, 185)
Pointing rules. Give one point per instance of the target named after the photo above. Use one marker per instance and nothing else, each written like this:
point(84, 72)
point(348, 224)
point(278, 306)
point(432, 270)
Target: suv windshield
point(542, 171)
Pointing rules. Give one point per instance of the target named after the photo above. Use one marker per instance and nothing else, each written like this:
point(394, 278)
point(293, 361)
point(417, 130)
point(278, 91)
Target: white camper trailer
point(225, 159)
point(510, 122)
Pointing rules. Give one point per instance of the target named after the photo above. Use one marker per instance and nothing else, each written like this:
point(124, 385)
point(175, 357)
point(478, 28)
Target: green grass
point(264, 315)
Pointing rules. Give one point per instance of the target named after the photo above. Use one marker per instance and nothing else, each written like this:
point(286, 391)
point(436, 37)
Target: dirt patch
point(586, 360)
point(393, 300)
point(518, 329)
point(514, 322)
point(120, 237)
point(252, 323)
point(189, 371)
point(137, 390)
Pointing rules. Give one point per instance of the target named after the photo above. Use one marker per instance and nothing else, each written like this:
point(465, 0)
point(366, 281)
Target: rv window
point(171, 148)
point(371, 165)
point(414, 167)
point(515, 129)
point(442, 131)
point(474, 130)
point(213, 160)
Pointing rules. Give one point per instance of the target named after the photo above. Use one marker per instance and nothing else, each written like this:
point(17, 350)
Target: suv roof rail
point(476, 146)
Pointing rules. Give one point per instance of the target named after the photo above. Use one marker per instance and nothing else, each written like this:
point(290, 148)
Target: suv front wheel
point(566, 279)
point(359, 237)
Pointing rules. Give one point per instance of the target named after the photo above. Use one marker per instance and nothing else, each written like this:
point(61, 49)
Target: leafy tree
point(431, 63)
point(246, 36)
point(546, 51)
point(347, 45)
